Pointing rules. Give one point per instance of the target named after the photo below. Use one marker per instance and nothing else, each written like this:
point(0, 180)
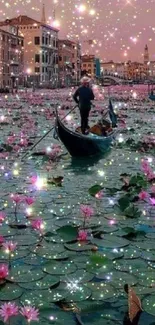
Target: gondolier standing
point(83, 97)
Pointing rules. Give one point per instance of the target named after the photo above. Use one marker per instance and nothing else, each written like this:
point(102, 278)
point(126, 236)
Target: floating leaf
point(81, 276)
point(68, 233)
point(10, 292)
point(101, 290)
point(149, 305)
point(47, 282)
point(95, 189)
point(117, 279)
point(24, 274)
point(57, 268)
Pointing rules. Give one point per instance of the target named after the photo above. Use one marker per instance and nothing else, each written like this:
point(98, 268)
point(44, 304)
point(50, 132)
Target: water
point(59, 269)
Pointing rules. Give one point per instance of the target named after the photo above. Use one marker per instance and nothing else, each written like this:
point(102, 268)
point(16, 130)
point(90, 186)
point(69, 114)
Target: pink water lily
point(4, 271)
point(30, 313)
point(2, 216)
point(87, 211)
point(153, 189)
point(143, 195)
point(82, 235)
point(99, 195)
point(29, 200)
point(17, 198)
point(152, 201)
point(9, 246)
point(1, 240)
point(8, 310)
point(38, 224)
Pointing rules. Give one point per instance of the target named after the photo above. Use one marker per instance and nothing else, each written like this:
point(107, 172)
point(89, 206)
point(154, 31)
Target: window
point(3, 37)
point(43, 69)
point(22, 42)
point(43, 40)
point(37, 58)
point(37, 69)
point(43, 58)
point(37, 40)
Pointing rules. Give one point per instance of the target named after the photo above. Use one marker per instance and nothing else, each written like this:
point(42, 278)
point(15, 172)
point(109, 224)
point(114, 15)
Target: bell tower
point(43, 17)
point(146, 55)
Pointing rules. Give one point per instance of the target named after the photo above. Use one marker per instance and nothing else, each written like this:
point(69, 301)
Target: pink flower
point(9, 246)
point(30, 313)
point(152, 201)
point(16, 198)
point(33, 179)
point(38, 224)
point(150, 175)
point(29, 200)
point(82, 235)
point(143, 195)
point(87, 211)
point(1, 240)
point(8, 310)
point(2, 216)
point(99, 195)
point(4, 271)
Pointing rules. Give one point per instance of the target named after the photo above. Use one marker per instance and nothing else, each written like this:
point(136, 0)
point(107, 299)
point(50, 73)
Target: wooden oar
point(45, 135)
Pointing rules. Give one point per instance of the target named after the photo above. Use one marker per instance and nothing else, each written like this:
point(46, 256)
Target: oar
point(45, 135)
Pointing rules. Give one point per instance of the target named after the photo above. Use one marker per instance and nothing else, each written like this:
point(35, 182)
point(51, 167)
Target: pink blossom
point(87, 211)
point(8, 310)
point(9, 246)
point(150, 175)
point(2, 216)
point(143, 195)
point(38, 224)
point(33, 179)
point(152, 201)
point(1, 240)
point(29, 200)
point(30, 313)
point(16, 198)
point(4, 271)
point(99, 195)
point(82, 235)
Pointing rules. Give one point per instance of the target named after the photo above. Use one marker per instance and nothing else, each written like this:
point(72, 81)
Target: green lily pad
point(57, 268)
point(75, 291)
point(42, 298)
point(57, 317)
point(81, 276)
point(49, 251)
point(131, 253)
point(26, 240)
point(7, 231)
point(149, 256)
point(24, 273)
point(17, 254)
point(110, 241)
point(146, 278)
point(144, 290)
point(148, 244)
point(68, 233)
point(95, 189)
point(10, 292)
point(34, 260)
point(118, 279)
point(101, 290)
point(148, 304)
point(79, 247)
point(47, 282)
point(132, 266)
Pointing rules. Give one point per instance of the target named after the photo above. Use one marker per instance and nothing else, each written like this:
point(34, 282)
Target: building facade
point(40, 50)
point(91, 66)
point(11, 56)
point(69, 62)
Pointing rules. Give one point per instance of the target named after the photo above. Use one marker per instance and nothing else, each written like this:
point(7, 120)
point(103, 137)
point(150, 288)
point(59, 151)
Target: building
point(40, 50)
point(69, 62)
point(11, 56)
point(90, 66)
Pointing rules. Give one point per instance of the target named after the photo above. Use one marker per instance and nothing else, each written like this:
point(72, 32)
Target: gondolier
point(83, 97)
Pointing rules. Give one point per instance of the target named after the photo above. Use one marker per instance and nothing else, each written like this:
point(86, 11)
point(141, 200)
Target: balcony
point(14, 63)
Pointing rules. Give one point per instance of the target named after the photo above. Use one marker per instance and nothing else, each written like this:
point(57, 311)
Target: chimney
point(43, 19)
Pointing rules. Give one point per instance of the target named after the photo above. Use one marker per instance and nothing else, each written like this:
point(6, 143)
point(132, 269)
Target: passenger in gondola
point(83, 97)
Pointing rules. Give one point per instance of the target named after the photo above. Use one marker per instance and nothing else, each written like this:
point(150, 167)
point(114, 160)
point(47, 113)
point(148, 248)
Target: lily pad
point(149, 256)
point(79, 247)
point(26, 240)
point(146, 279)
point(47, 282)
point(57, 268)
point(10, 292)
point(148, 304)
point(57, 317)
point(110, 241)
point(24, 274)
point(75, 291)
point(42, 298)
point(132, 266)
point(82, 276)
point(117, 279)
point(68, 233)
point(148, 245)
point(101, 290)
point(131, 253)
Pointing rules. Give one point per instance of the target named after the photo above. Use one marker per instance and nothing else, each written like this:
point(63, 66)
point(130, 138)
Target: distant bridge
point(114, 79)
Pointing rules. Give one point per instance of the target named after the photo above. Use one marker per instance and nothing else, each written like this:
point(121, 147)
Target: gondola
point(152, 97)
point(79, 145)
